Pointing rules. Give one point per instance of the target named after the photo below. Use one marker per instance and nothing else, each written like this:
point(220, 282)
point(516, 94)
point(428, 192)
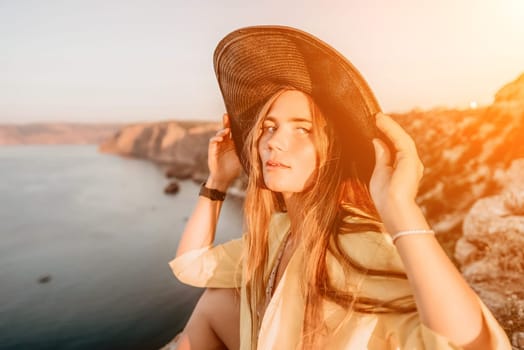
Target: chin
point(281, 186)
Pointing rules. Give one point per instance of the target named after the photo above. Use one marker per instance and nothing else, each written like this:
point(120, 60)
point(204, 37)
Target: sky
point(150, 60)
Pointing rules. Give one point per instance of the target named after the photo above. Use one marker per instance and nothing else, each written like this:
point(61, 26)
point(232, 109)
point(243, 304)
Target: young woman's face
point(287, 153)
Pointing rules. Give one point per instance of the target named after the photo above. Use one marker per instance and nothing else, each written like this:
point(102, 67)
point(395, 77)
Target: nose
point(278, 140)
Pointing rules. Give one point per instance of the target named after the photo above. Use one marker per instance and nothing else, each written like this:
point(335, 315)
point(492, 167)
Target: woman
point(327, 262)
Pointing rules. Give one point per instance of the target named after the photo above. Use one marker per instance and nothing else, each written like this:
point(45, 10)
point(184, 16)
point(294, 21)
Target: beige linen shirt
point(221, 267)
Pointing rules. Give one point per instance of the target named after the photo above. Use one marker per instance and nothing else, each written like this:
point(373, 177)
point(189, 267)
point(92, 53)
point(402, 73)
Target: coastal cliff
point(490, 251)
point(56, 133)
point(179, 146)
point(473, 196)
point(463, 150)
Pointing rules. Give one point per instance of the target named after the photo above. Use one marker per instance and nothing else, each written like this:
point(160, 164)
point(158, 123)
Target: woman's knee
point(223, 312)
point(215, 320)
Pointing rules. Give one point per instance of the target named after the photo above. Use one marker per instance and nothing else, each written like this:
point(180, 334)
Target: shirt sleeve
point(217, 266)
point(404, 331)
point(422, 337)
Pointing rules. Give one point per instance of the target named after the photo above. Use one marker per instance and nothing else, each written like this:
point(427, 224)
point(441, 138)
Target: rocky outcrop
point(181, 146)
point(469, 155)
point(512, 92)
point(462, 151)
point(491, 250)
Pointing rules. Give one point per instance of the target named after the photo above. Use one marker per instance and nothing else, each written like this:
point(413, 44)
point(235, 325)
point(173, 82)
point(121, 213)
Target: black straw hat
point(253, 63)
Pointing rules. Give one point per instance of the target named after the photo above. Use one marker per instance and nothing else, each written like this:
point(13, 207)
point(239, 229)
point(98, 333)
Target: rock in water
point(44, 279)
point(172, 188)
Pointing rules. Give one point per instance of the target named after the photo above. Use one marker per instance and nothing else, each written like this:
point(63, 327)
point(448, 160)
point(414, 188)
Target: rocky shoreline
point(180, 148)
point(472, 192)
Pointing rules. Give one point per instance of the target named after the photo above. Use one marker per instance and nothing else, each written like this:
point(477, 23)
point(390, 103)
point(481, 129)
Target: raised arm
point(224, 167)
point(445, 302)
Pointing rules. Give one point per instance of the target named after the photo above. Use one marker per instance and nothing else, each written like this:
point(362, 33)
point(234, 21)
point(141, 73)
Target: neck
point(294, 212)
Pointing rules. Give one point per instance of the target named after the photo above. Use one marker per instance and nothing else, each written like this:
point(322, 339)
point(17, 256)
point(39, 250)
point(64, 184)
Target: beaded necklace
point(273, 274)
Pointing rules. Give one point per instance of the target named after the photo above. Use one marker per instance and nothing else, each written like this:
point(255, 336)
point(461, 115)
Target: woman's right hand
point(222, 160)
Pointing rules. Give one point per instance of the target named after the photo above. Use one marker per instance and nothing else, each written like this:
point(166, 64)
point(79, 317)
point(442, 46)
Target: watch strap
point(211, 193)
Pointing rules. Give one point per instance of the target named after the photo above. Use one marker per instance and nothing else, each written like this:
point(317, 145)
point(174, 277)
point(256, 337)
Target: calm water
point(103, 231)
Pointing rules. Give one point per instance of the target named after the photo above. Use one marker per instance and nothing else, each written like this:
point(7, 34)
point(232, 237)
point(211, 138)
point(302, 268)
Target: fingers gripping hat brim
point(253, 63)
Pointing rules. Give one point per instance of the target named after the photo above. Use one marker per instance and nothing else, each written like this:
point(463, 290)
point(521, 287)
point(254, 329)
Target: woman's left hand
point(396, 177)
point(393, 188)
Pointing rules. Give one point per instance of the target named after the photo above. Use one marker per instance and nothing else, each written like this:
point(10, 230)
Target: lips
point(276, 164)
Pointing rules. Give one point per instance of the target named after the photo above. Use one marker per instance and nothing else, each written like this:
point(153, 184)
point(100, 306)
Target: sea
point(85, 241)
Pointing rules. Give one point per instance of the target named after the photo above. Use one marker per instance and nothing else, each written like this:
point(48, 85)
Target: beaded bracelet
point(411, 232)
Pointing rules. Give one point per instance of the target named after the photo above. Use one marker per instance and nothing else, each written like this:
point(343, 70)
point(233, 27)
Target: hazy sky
point(125, 60)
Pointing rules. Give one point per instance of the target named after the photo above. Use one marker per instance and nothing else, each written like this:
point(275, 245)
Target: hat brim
point(253, 63)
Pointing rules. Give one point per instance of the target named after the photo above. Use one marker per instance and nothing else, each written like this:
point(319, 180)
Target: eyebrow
point(295, 119)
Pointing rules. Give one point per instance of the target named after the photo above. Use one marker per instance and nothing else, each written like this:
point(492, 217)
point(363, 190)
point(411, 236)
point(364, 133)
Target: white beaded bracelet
point(411, 232)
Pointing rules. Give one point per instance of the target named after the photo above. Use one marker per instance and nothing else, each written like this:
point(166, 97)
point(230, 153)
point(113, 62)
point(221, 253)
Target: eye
point(268, 128)
point(303, 130)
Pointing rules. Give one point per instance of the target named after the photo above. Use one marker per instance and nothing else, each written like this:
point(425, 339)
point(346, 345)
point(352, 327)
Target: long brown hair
point(331, 199)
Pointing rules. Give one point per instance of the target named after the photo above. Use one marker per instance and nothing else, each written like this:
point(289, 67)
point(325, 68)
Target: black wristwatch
point(214, 195)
